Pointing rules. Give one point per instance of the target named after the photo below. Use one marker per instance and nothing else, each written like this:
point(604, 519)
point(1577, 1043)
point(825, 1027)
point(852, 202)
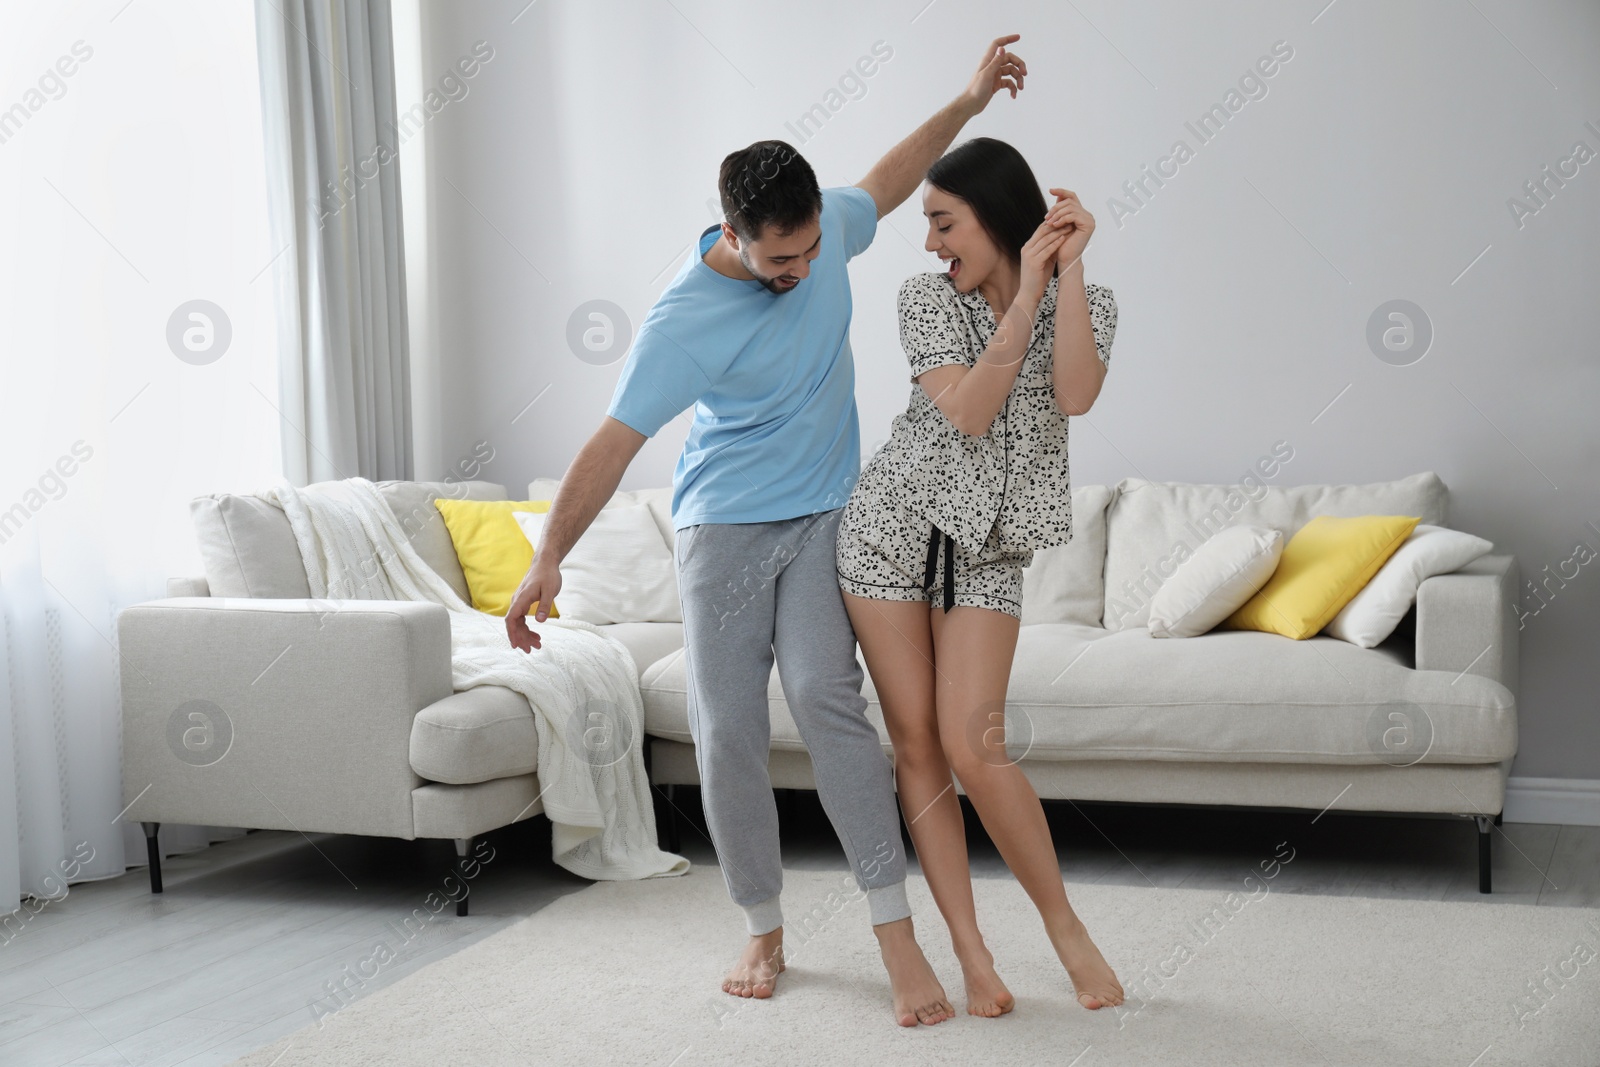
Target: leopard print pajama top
point(993, 499)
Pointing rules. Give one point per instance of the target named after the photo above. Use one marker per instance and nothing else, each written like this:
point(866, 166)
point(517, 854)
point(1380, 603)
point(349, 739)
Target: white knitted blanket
point(580, 684)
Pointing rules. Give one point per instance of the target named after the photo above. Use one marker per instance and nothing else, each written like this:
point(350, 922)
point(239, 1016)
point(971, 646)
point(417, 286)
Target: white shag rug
point(629, 972)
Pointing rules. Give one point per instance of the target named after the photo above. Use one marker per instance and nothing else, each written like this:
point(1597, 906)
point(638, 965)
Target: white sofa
point(1098, 709)
point(339, 716)
point(245, 702)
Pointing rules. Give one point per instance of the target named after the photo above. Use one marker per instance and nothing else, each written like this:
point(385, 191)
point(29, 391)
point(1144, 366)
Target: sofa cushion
point(1081, 693)
point(646, 642)
point(491, 549)
point(1062, 584)
point(618, 571)
point(476, 735)
point(1210, 585)
point(1065, 583)
point(488, 732)
point(1372, 615)
point(1248, 696)
point(248, 549)
point(1322, 568)
point(666, 709)
point(412, 503)
point(1152, 526)
point(659, 500)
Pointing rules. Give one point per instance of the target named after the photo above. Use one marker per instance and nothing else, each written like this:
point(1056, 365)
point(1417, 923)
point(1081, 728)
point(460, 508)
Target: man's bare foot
point(756, 973)
point(987, 995)
point(1092, 978)
point(918, 996)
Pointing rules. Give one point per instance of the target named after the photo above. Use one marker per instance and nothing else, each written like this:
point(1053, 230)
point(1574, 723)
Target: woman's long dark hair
point(997, 182)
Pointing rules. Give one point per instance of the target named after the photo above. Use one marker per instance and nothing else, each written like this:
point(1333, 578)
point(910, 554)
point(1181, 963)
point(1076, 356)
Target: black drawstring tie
point(931, 569)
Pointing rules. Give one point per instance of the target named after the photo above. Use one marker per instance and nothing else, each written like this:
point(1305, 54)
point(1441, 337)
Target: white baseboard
point(1563, 801)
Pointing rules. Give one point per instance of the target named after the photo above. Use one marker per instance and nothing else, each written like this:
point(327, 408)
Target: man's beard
point(770, 284)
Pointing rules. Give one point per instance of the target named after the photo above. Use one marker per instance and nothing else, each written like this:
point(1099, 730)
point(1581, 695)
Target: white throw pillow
point(1374, 612)
point(1228, 569)
point(619, 571)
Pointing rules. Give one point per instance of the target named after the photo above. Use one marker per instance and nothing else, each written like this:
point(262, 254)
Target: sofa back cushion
point(248, 549)
point(1151, 527)
point(1065, 583)
point(1062, 584)
point(412, 504)
point(659, 501)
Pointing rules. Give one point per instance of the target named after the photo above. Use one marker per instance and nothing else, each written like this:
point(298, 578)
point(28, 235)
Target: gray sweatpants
point(752, 592)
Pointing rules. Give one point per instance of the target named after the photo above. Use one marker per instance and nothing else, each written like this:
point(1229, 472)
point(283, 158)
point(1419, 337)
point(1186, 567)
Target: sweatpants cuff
point(765, 917)
point(888, 904)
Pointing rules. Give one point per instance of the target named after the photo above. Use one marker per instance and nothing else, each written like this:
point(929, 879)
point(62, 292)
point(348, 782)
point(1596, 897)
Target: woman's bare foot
point(1092, 978)
point(756, 973)
point(918, 996)
point(987, 995)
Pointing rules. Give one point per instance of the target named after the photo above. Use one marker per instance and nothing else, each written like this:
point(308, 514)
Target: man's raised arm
point(897, 175)
point(595, 473)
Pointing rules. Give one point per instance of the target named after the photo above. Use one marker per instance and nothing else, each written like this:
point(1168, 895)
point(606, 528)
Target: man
point(754, 333)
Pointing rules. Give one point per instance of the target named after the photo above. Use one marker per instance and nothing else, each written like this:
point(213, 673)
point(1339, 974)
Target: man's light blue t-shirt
point(770, 375)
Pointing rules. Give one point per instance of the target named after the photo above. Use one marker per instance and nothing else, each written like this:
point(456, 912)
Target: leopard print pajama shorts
point(886, 552)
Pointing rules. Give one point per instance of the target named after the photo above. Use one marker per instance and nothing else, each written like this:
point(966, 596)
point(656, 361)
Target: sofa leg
point(1485, 833)
point(463, 847)
point(661, 799)
point(152, 848)
point(670, 812)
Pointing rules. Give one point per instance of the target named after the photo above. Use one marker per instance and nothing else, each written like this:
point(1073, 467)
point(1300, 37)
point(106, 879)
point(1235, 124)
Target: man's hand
point(896, 176)
point(595, 473)
point(540, 584)
point(999, 69)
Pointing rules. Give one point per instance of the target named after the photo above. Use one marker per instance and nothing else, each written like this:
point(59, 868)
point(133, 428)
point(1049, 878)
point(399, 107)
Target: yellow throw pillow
point(493, 553)
point(1324, 565)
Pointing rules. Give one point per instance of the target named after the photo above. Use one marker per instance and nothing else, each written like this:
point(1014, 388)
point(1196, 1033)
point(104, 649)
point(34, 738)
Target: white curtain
point(133, 182)
point(58, 700)
point(328, 111)
point(411, 48)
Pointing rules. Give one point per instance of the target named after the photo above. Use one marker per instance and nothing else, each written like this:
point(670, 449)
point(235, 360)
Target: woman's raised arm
point(970, 397)
point(1075, 369)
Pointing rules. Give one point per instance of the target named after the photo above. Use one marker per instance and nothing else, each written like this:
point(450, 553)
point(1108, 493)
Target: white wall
point(578, 164)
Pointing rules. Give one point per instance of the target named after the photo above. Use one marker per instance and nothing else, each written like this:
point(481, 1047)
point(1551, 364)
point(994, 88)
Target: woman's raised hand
point(1039, 257)
point(1069, 214)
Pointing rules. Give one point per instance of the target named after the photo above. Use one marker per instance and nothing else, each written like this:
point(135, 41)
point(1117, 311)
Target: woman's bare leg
point(897, 643)
point(973, 649)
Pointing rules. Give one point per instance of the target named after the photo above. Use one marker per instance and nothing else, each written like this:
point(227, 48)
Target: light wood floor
point(249, 933)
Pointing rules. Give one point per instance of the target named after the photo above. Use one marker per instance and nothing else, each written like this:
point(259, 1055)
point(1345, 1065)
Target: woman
point(932, 543)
